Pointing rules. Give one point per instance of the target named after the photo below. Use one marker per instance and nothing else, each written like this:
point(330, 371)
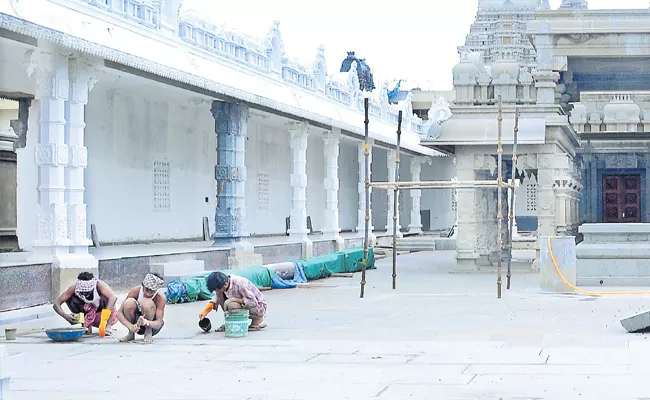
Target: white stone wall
point(348, 184)
point(438, 200)
point(268, 188)
point(127, 133)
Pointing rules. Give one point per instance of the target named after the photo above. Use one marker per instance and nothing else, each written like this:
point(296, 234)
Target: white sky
point(404, 39)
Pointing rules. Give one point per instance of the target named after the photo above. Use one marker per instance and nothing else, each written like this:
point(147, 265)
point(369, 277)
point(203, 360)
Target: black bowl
point(205, 324)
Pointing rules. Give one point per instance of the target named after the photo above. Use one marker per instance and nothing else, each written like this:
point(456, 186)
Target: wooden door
point(622, 198)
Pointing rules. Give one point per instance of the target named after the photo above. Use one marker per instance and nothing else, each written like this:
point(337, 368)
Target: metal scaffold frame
point(396, 186)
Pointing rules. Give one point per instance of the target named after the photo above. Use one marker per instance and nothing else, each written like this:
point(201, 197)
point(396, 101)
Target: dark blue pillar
point(231, 126)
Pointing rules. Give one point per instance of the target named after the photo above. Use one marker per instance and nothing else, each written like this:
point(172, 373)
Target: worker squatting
point(92, 304)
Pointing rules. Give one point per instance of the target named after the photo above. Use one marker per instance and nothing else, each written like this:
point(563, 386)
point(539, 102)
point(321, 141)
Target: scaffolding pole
point(499, 200)
point(511, 211)
point(396, 186)
point(395, 196)
point(366, 153)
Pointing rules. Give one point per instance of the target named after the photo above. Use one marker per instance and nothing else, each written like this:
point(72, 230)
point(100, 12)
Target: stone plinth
point(564, 252)
point(614, 255)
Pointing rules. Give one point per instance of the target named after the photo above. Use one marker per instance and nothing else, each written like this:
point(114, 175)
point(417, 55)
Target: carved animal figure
point(364, 73)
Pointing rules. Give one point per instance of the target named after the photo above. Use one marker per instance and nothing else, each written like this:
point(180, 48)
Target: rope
point(557, 268)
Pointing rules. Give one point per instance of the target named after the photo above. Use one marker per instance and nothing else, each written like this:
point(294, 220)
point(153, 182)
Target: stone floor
point(438, 336)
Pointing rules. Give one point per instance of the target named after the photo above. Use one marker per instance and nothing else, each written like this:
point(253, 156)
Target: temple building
point(583, 164)
point(111, 114)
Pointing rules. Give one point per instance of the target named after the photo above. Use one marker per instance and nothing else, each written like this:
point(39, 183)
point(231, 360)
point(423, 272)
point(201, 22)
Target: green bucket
point(236, 322)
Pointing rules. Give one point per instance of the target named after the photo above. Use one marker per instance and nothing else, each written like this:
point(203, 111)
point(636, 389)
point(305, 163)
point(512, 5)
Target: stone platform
point(530, 345)
point(614, 255)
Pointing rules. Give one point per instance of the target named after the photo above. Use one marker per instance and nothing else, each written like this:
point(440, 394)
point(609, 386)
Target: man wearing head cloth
point(144, 308)
point(89, 296)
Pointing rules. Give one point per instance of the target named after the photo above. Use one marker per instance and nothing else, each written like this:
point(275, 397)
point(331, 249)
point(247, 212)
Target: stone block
point(25, 286)
point(124, 273)
point(66, 268)
point(637, 323)
point(242, 260)
point(563, 250)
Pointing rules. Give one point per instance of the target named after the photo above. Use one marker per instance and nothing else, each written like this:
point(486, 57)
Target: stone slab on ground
point(638, 322)
point(438, 335)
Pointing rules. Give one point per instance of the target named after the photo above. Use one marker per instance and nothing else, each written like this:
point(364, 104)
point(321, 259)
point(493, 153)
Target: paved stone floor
point(438, 336)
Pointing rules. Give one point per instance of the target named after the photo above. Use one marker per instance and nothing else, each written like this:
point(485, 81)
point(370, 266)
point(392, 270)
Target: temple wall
point(126, 133)
point(268, 188)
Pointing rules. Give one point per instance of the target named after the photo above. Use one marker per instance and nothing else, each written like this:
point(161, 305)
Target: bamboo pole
point(366, 153)
point(439, 185)
point(499, 200)
point(511, 211)
point(395, 196)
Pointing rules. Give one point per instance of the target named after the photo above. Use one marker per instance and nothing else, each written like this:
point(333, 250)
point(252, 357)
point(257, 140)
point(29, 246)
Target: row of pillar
point(231, 122)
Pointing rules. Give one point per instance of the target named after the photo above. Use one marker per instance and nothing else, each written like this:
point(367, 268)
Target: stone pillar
point(561, 199)
point(82, 80)
point(8, 171)
point(392, 167)
point(231, 127)
point(415, 227)
point(332, 141)
point(550, 166)
point(545, 77)
point(52, 156)
point(361, 213)
point(51, 153)
point(468, 224)
point(298, 218)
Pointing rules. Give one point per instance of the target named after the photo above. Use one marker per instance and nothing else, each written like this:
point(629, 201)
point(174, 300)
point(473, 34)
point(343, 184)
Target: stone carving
point(614, 161)
point(161, 185)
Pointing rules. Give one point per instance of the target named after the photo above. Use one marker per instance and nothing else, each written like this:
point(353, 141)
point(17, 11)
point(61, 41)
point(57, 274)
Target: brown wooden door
point(622, 198)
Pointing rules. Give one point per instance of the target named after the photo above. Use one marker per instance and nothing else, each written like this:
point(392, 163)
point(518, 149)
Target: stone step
point(179, 270)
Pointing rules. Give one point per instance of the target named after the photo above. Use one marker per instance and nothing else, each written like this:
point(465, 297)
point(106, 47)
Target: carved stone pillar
point(331, 141)
point(231, 127)
point(298, 218)
point(82, 80)
point(415, 227)
point(52, 156)
point(545, 82)
point(561, 199)
point(361, 213)
point(468, 224)
point(392, 167)
point(51, 153)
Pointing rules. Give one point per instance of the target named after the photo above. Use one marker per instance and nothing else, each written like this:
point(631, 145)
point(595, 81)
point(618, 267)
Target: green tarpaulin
point(349, 260)
point(259, 275)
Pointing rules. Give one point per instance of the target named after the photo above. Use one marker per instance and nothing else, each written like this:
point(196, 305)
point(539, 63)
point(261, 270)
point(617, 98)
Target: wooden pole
point(395, 196)
point(511, 211)
point(366, 154)
point(499, 200)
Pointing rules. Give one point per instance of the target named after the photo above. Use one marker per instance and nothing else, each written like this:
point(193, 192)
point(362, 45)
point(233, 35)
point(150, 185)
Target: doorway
point(622, 198)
